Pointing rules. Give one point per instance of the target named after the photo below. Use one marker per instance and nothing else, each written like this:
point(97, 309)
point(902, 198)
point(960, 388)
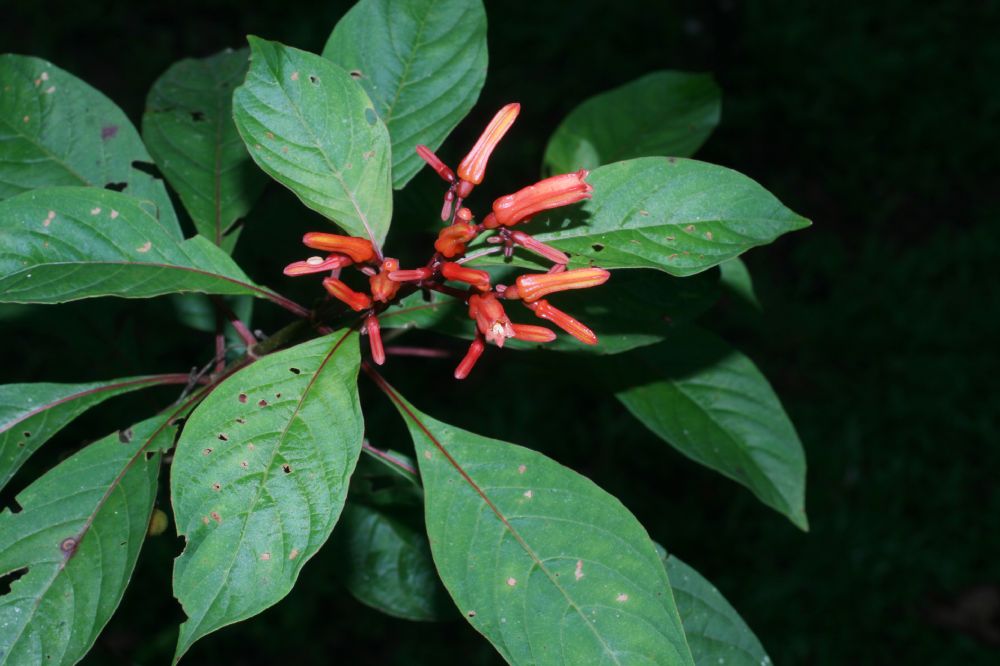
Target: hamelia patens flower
point(387, 282)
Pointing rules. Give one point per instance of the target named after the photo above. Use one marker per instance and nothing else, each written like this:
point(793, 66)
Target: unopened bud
point(375, 339)
point(533, 286)
point(529, 333)
point(478, 279)
point(539, 248)
point(473, 167)
point(318, 265)
point(353, 299)
point(552, 192)
point(546, 311)
point(435, 163)
point(360, 250)
point(471, 356)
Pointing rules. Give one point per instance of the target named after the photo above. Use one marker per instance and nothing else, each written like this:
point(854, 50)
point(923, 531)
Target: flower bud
point(427, 155)
point(478, 279)
point(353, 299)
point(471, 356)
point(375, 339)
point(451, 241)
point(552, 192)
point(533, 286)
point(529, 333)
point(539, 248)
point(414, 275)
point(473, 167)
point(544, 310)
point(358, 249)
point(318, 265)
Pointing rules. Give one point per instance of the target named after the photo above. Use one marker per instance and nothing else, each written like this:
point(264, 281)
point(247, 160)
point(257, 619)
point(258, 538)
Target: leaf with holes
point(66, 243)
point(311, 126)
point(546, 565)
point(30, 414)
point(188, 126)
point(259, 479)
point(634, 309)
point(676, 215)
point(712, 404)
point(422, 63)
point(715, 631)
point(57, 130)
point(661, 113)
point(78, 536)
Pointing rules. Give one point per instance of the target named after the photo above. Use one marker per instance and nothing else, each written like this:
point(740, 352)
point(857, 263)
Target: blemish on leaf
point(114, 213)
point(48, 220)
point(708, 235)
point(250, 446)
point(294, 371)
point(622, 597)
point(471, 613)
point(672, 257)
point(578, 573)
point(284, 149)
point(295, 553)
point(512, 581)
point(95, 211)
point(528, 494)
point(204, 519)
point(355, 73)
point(216, 486)
point(368, 154)
point(671, 238)
point(269, 135)
point(277, 396)
point(68, 546)
point(295, 76)
point(521, 469)
point(145, 247)
point(286, 468)
point(242, 397)
point(26, 118)
point(206, 451)
point(371, 116)
point(244, 464)
point(224, 437)
point(689, 228)
point(428, 455)
point(49, 90)
point(313, 79)
point(597, 247)
point(644, 213)
point(26, 434)
point(262, 403)
point(198, 116)
point(265, 557)
point(125, 436)
point(109, 132)
point(216, 517)
point(240, 419)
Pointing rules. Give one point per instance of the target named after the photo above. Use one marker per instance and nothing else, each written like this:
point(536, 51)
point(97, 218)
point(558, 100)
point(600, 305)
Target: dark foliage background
point(877, 120)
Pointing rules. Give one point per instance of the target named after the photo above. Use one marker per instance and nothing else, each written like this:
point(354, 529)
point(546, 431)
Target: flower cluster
point(485, 300)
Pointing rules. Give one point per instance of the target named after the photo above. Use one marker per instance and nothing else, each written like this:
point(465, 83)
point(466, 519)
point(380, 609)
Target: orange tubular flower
point(375, 339)
point(427, 155)
point(478, 279)
point(354, 299)
point(382, 286)
point(552, 192)
point(491, 320)
point(530, 333)
point(544, 310)
point(533, 286)
point(414, 275)
point(475, 351)
point(360, 250)
point(451, 240)
point(473, 167)
point(318, 265)
point(539, 248)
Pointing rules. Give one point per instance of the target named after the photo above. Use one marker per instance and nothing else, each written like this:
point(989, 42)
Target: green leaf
point(712, 404)
point(259, 479)
point(546, 565)
point(57, 130)
point(78, 535)
point(384, 557)
point(715, 631)
point(62, 244)
point(634, 309)
point(676, 215)
point(311, 126)
point(736, 280)
point(422, 63)
point(31, 414)
point(188, 126)
point(661, 113)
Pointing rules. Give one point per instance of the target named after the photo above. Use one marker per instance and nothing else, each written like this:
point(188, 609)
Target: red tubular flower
point(382, 286)
point(452, 240)
point(530, 333)
point(435, 163)
point(414, 275)
point(471, 356)
point(491, 320)
point(533, 286)
point(360, 250)
point(544, 310)
point(318, 265)
point(552, 192)
point(354, 299)
point(478, 279)
point(375, 339)
point(539, 248)
point(473, 167)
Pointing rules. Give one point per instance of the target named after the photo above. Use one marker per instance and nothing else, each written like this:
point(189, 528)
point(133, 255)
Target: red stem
point(389, 458)
point(422, 352)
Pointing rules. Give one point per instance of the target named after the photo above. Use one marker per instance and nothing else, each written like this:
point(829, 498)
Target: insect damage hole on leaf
point(9, 578)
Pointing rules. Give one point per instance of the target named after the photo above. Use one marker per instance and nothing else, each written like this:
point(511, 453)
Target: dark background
point(876, 120)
